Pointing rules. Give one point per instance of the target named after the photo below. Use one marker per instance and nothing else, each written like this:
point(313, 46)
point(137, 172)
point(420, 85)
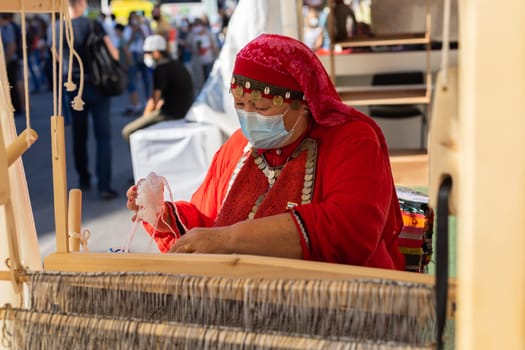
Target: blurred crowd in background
point(194, 36)
point(194, 40)
point(351, 18)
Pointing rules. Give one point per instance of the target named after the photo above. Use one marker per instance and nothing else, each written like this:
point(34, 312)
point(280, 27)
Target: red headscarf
point(287, 65)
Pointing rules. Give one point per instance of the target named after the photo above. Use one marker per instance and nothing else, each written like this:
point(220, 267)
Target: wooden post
point(491, 203)
point(6, 207)
point(58, 154)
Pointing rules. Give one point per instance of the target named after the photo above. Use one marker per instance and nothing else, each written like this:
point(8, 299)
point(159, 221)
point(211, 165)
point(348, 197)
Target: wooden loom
point(233, 268)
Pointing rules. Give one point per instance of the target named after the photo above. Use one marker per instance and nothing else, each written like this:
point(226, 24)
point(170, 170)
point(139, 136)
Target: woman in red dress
point(305, 176)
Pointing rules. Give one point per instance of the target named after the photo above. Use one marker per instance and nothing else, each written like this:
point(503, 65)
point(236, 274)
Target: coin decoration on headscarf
point(239, 91)
point(277, 101)
point(256, 96)
point(249, 85)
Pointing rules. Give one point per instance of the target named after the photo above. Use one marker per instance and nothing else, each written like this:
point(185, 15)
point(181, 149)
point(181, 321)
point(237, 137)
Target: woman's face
point(265, 107)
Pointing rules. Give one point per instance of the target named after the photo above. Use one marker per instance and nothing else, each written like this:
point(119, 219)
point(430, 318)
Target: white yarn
point(150, 200)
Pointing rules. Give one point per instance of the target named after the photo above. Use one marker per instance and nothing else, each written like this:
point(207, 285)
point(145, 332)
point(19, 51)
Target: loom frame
point(234, 265)
point(67, 258)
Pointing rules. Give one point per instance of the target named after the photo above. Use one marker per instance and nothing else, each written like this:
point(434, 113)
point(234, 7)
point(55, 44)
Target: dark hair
point(119, 26)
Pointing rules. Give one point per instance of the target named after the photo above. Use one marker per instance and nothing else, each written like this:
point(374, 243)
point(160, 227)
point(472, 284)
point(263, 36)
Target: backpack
point(106, 73)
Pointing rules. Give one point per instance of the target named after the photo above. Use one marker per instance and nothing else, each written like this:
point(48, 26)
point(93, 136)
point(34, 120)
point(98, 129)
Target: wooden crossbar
point(32, 6)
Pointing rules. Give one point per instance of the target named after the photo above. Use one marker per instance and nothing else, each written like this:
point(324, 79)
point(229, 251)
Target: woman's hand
point(269, 236)
point(214, 240)
point(163, 224)
point(131, 204)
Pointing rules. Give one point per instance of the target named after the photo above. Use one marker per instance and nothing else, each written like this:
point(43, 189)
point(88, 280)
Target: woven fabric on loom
point(165, 311)
point(415, 240)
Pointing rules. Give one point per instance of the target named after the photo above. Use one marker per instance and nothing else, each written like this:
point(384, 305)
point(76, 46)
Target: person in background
point(172, 87)
point(313, 31)
point(20, 83)
point(9, 43)
point(48, 64)
point(134, 34)
point(204, 47)
point(164, 28)
point(96, 104)
point(40, 22)
point(345, 23)
point(108, 22)
point(225, 13)
point(124, 55)
point(34, 65)
point(184, 46)
point(305, 177)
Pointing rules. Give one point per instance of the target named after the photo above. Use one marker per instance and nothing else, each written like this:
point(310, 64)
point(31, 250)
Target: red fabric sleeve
point(164, 239)
point(207, 199)
point(352, 218)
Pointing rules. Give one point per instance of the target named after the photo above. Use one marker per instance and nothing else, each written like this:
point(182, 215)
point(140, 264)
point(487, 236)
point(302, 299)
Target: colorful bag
point(415, 240)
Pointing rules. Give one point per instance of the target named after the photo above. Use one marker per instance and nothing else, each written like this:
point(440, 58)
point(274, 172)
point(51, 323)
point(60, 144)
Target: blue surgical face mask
point(265, 131)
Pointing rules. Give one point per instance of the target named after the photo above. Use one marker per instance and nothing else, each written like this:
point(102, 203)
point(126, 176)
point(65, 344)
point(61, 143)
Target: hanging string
point(70, 85)
point(61, 55)
point(65, 31)
point(26, 71)
point(77, 103)
point(130, 236)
